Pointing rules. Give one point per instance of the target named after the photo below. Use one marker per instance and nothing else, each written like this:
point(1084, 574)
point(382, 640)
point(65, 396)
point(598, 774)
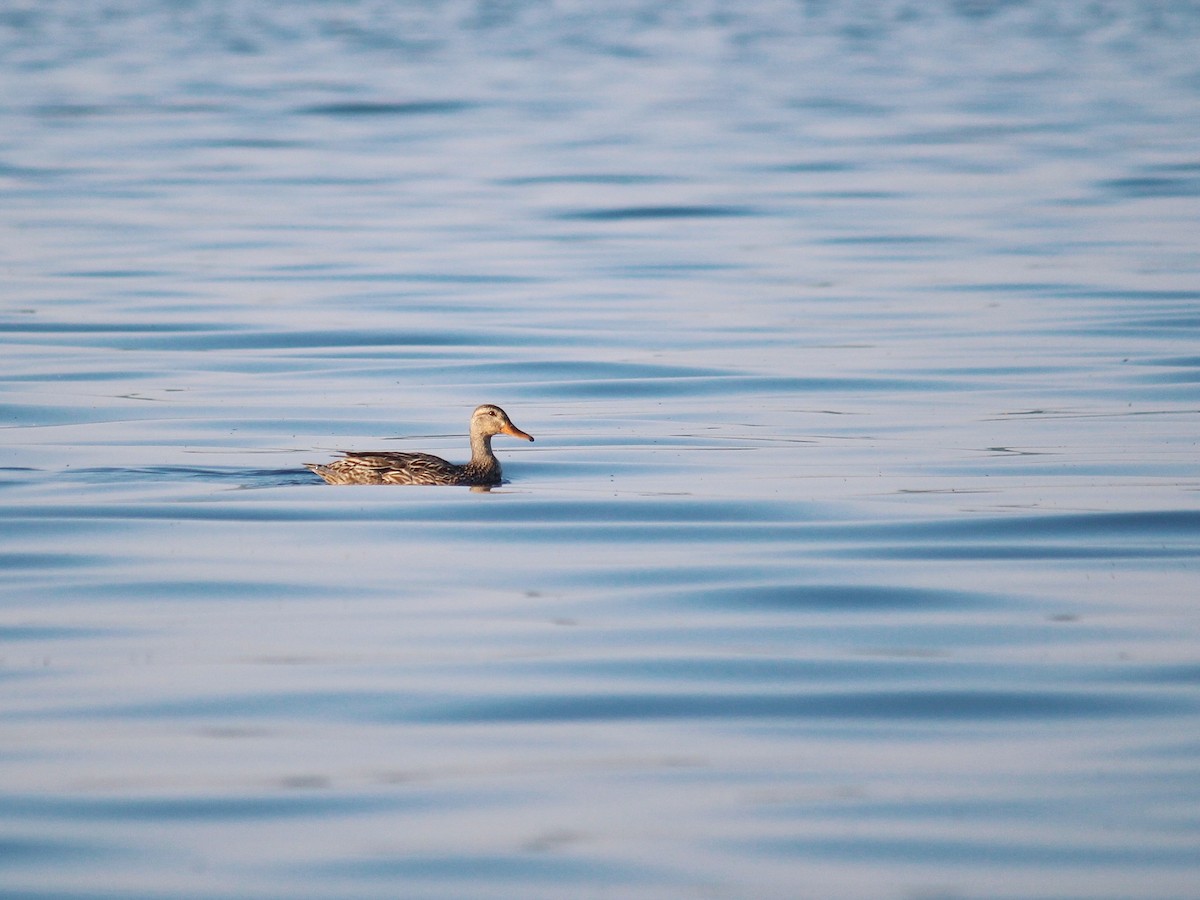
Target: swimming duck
point(385, 467)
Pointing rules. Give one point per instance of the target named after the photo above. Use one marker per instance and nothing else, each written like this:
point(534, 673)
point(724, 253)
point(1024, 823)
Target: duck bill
point(513, 431)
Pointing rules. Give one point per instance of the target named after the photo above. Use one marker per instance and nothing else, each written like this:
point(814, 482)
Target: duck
point(386, 467)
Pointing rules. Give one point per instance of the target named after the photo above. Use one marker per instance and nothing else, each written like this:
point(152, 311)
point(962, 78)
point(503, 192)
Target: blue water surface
point(857, 552)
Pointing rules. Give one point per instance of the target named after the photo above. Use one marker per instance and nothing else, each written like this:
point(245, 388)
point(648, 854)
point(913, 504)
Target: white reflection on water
point(857, 557)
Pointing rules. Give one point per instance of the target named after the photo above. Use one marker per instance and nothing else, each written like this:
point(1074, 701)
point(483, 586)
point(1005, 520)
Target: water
point(857, 552)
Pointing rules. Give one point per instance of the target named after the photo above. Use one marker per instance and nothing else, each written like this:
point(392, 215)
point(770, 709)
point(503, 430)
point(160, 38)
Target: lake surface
point(857, 555)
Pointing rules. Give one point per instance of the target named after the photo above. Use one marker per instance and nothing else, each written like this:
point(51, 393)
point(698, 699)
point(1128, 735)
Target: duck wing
point(397, 468)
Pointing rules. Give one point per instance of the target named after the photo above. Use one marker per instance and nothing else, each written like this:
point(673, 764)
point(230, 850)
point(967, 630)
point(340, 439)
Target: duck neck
point(481, 451)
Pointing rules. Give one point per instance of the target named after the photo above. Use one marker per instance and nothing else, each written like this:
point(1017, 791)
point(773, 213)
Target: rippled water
point(857, 553)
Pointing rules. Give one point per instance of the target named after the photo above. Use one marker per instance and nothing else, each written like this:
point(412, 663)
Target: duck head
point(488, 420)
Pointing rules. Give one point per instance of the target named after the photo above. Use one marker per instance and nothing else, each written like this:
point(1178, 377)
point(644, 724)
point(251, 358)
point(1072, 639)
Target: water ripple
point(977, 705)
point(471, 869)
point(628, 213)
point(953, 706)
point(206, 808)
point(952, 852)
point(356, 108)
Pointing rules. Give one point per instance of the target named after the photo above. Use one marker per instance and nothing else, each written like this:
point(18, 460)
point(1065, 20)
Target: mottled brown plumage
point(383, 467)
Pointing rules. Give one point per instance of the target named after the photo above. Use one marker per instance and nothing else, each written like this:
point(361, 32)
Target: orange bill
point(513, 431)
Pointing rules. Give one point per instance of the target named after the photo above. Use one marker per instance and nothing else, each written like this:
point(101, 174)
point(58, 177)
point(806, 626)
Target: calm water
point(856, 556)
